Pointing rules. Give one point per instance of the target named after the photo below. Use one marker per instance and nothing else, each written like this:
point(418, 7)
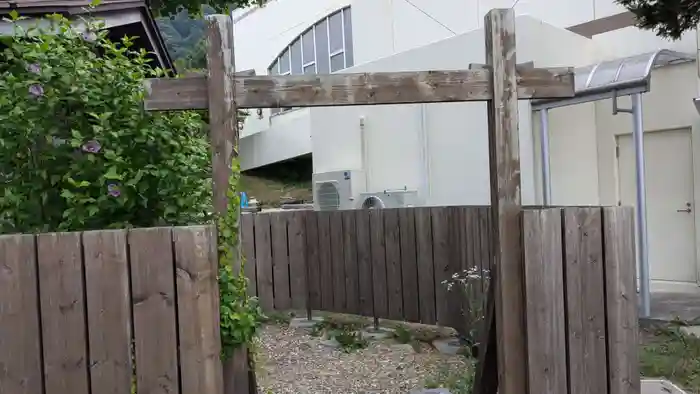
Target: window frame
point(341, 12)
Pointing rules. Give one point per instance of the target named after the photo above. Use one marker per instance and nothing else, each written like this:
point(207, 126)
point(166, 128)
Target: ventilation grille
point(372, 202)
point(328, 197)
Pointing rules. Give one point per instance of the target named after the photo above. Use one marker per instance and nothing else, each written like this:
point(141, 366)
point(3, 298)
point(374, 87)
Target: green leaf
point(112, 174)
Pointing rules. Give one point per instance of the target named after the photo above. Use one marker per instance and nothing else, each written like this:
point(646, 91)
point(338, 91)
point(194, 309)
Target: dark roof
point(106, 9)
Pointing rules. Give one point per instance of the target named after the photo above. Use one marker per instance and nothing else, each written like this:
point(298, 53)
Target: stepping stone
point(691, 330)
point(331, 343)
point(305, 323)
point(660, 386)
point(377, 334)
point(449, 346)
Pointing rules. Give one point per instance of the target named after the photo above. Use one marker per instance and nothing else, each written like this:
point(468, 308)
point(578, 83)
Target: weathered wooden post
point(505, 314)
point(499, 82)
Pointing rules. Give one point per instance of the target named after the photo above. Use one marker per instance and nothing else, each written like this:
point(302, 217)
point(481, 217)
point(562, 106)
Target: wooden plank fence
point(387, 263)
point(578, 265)
point(72, 305)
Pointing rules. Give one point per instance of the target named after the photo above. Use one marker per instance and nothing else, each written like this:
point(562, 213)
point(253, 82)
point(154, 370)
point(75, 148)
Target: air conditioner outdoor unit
point(388, 199)
point(336, 190)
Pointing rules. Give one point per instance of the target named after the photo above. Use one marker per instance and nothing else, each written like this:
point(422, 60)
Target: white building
point(440, 150)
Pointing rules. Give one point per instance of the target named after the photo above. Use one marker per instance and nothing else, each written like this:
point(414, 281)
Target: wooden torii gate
point(500, 82)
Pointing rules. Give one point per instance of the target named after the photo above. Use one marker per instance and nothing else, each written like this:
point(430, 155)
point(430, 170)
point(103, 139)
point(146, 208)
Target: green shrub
point(79, 152)
point(77, 149)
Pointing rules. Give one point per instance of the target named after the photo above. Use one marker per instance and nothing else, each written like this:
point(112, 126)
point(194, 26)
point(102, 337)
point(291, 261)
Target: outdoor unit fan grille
point(328, 197)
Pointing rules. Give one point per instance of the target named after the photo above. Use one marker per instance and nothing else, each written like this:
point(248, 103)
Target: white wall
point(384, 27)
point(667, 106)
point(288, 136)
point(448, 143)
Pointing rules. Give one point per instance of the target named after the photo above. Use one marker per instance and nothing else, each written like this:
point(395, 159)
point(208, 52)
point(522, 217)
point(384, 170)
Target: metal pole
point(544, 155)
point(642, 246)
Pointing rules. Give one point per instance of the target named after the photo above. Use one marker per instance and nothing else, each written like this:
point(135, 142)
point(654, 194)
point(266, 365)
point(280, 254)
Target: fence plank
point(352, 285)
point(64, 333)
point(470, 255)
point(379, 280)
point(485, 250)
point(312, 261)
point(197, 295)
point(457, 261)
point(426, 271)
point(325, 260)
point(364, 262)
point(544, 283)
point(297, 259)
point(621, 300)
point(409, 266)
point(585, 300)
point(153, 299)
point(393, 263)
point(441, 262)
point(248, 244)
point(20, 350)
point(263, 260)
point(108, 311)
point(338, 262)
point(280, 260)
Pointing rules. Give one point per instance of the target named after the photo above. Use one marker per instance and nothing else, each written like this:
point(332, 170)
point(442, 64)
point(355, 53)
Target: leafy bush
point(79, 152)
point(77, 149)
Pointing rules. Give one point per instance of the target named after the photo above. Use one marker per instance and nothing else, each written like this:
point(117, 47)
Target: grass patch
point(664, 352)
point(668, 353)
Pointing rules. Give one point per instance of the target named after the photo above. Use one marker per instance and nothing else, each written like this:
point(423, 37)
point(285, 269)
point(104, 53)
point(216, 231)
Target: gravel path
point(292, 361)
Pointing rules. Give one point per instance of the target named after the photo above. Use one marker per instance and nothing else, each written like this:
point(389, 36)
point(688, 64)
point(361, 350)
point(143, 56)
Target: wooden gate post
point(506, 206)
point(223, 133)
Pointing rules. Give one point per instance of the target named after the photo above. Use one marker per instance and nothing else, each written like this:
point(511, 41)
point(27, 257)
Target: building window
point(323, 48)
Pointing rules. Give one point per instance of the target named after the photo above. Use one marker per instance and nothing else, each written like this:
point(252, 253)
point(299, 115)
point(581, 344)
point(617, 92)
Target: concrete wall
point(441, 149)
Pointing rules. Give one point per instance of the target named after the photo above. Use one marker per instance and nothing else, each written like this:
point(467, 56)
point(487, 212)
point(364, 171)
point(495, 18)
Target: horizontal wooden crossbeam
point(276, 91)
point(518, 67)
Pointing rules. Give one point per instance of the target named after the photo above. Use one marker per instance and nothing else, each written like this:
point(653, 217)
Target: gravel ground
point(292, 361)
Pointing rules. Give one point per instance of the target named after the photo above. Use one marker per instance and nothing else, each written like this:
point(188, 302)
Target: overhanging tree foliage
point(667, 18)
point(168, 7)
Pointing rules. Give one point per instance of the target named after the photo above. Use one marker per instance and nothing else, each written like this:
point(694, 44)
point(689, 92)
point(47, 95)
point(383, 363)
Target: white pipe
point(642, 245)
point(697, 49)
point(425, 154)
point(364, 152)
point(544, 156)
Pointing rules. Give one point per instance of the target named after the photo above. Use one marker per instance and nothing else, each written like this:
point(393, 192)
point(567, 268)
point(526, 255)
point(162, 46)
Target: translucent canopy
point(627, 73)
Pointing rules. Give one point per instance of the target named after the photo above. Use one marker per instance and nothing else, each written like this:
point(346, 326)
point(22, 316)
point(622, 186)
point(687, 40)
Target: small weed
point(403, 335)
point(347, 335)
point(349, 340)
point(320, 328)
point(457, 381)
